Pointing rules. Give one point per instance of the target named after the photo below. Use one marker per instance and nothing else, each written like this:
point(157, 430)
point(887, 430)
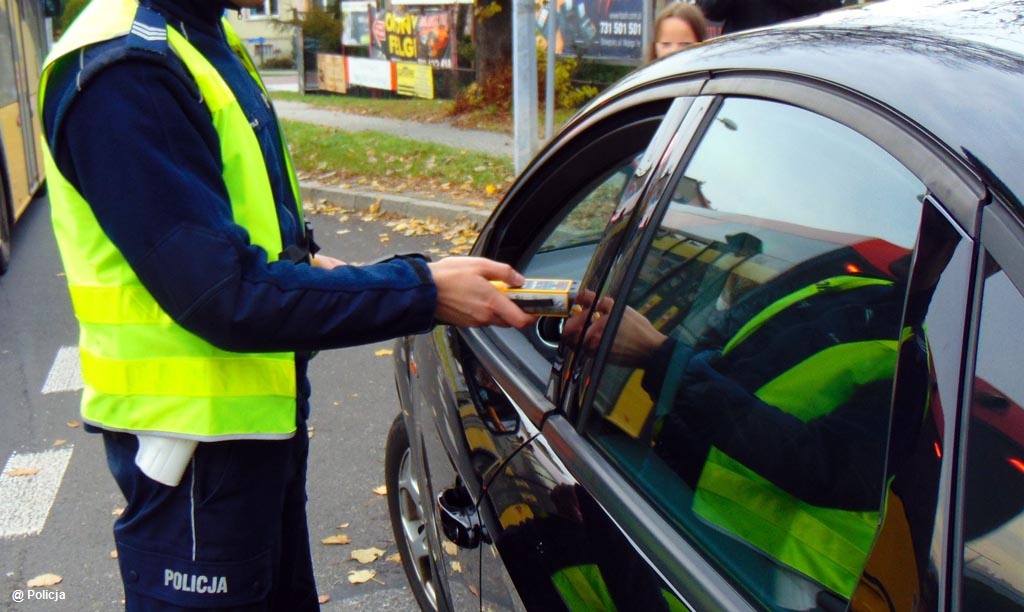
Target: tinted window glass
point(994, 507)
point(750, 376)
point(900, 572)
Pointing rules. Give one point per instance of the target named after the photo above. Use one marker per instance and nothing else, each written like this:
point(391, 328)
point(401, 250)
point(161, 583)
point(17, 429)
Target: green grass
point(390, 163)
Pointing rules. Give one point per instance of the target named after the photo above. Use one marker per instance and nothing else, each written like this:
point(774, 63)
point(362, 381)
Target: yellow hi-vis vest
point(143, 372)
point(827, 544)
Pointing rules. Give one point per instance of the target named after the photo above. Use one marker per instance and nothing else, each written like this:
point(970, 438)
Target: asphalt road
point(63, 526)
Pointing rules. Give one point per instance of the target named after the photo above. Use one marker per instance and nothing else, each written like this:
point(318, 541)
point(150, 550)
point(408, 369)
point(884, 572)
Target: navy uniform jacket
point(140, 147)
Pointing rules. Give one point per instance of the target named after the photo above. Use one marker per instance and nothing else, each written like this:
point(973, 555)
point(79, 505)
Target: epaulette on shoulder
point(146, 41)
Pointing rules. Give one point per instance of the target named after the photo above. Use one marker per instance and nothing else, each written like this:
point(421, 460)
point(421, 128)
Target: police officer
point(201, 298)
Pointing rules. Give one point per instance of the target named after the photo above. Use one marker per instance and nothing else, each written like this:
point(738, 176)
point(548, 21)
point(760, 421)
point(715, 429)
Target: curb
point(392, 202)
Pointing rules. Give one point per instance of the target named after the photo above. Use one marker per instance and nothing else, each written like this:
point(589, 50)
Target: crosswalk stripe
point(65, 373)
point(25, 500)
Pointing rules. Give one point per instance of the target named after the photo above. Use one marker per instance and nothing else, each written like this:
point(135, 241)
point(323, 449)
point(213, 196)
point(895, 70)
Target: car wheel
point(408, 517)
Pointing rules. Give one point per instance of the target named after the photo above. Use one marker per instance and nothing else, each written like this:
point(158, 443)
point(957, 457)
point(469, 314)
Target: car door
point(799, 220)
point(496, 384)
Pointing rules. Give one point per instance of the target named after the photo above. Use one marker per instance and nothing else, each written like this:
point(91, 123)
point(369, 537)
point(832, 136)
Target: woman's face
point(673, 35)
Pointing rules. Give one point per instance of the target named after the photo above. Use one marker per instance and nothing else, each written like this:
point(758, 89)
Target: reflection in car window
point(750, 378)
point(994, 506)
point(586, 222)
point(804, 169)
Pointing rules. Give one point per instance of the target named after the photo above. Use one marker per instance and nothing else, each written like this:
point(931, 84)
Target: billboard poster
point(598, 29)
point(423, 38)
point(355, 23)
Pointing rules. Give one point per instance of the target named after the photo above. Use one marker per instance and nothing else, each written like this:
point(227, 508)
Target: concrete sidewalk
point(492, 143)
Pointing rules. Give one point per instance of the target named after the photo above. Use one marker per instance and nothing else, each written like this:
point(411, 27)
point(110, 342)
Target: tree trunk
point(494, 49)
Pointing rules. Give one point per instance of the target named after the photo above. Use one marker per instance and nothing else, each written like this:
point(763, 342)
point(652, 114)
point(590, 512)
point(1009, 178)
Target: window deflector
point(643, 191)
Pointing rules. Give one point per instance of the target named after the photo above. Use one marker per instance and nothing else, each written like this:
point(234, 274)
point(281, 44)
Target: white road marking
point(65, 373)
point(25, 501)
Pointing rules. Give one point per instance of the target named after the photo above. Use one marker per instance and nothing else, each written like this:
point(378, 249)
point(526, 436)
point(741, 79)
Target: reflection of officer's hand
point(635, 341)
point(707, 388)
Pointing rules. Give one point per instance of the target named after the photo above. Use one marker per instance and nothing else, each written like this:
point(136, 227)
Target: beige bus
point(23, 46)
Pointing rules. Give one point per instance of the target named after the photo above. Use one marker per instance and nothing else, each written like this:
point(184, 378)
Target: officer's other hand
point(705, 386)
point(326, 262)
point(465, 296)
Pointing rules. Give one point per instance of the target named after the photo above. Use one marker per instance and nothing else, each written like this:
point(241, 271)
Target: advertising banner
point(330, 71)
point(355, 23)
point(414, 80)
point(597, 29)
point(422, 38)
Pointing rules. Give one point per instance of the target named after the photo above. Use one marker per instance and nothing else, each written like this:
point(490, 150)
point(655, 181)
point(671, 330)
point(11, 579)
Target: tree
point(494, 45)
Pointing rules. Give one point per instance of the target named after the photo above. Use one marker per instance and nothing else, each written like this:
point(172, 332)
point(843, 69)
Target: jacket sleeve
point(143, 152)
point(834, 461)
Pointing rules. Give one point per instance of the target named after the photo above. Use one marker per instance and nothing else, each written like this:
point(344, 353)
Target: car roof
point(952, 67)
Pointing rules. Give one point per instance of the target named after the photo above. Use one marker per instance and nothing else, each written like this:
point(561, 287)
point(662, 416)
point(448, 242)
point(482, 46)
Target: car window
point(993, 522)
point(565, 249)
point(587, 220)
point(749, 379)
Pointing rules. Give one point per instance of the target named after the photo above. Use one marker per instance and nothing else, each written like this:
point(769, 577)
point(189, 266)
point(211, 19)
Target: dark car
point(792, 377)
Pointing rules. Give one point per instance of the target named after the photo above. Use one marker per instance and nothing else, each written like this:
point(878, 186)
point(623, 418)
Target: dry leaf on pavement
point(324, 599)
point(13, 473)
point(367, 555)
point(338, 538)
point(395, 558)
point(381, 490)
point(384, 352)
point(361, 576)
point(44, 580)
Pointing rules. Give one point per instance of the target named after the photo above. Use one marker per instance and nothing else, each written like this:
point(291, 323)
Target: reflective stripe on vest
point(826, 544)
point(142, 371)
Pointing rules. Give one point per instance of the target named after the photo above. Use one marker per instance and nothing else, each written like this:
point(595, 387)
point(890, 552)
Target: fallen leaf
point(113, 554)
point(367, 555)
point(73, 424)
point(22, 472)
point(343, 526)
point(456, 567)
point(384, 352)
point(451, 548)
point(338, 538)
point(44, 580)
point(472, 589)
point(395, 558)
point(59, 443)
point(324, 599)
point(117, 512)
point(361, 576)
point(381, 490)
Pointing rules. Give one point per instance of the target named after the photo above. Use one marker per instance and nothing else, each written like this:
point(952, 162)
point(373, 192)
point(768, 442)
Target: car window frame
point(1001, 239)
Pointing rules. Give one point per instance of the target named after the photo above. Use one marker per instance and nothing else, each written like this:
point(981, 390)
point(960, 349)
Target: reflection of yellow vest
point(827, 544)
point(142, 371)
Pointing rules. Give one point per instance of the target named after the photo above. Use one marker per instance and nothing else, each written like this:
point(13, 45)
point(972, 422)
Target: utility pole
point(524, 82)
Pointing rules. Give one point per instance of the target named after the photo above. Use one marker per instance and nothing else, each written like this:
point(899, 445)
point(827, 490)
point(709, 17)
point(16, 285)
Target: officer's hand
point(465, 296)
point(704, 386)
point(326, 262)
